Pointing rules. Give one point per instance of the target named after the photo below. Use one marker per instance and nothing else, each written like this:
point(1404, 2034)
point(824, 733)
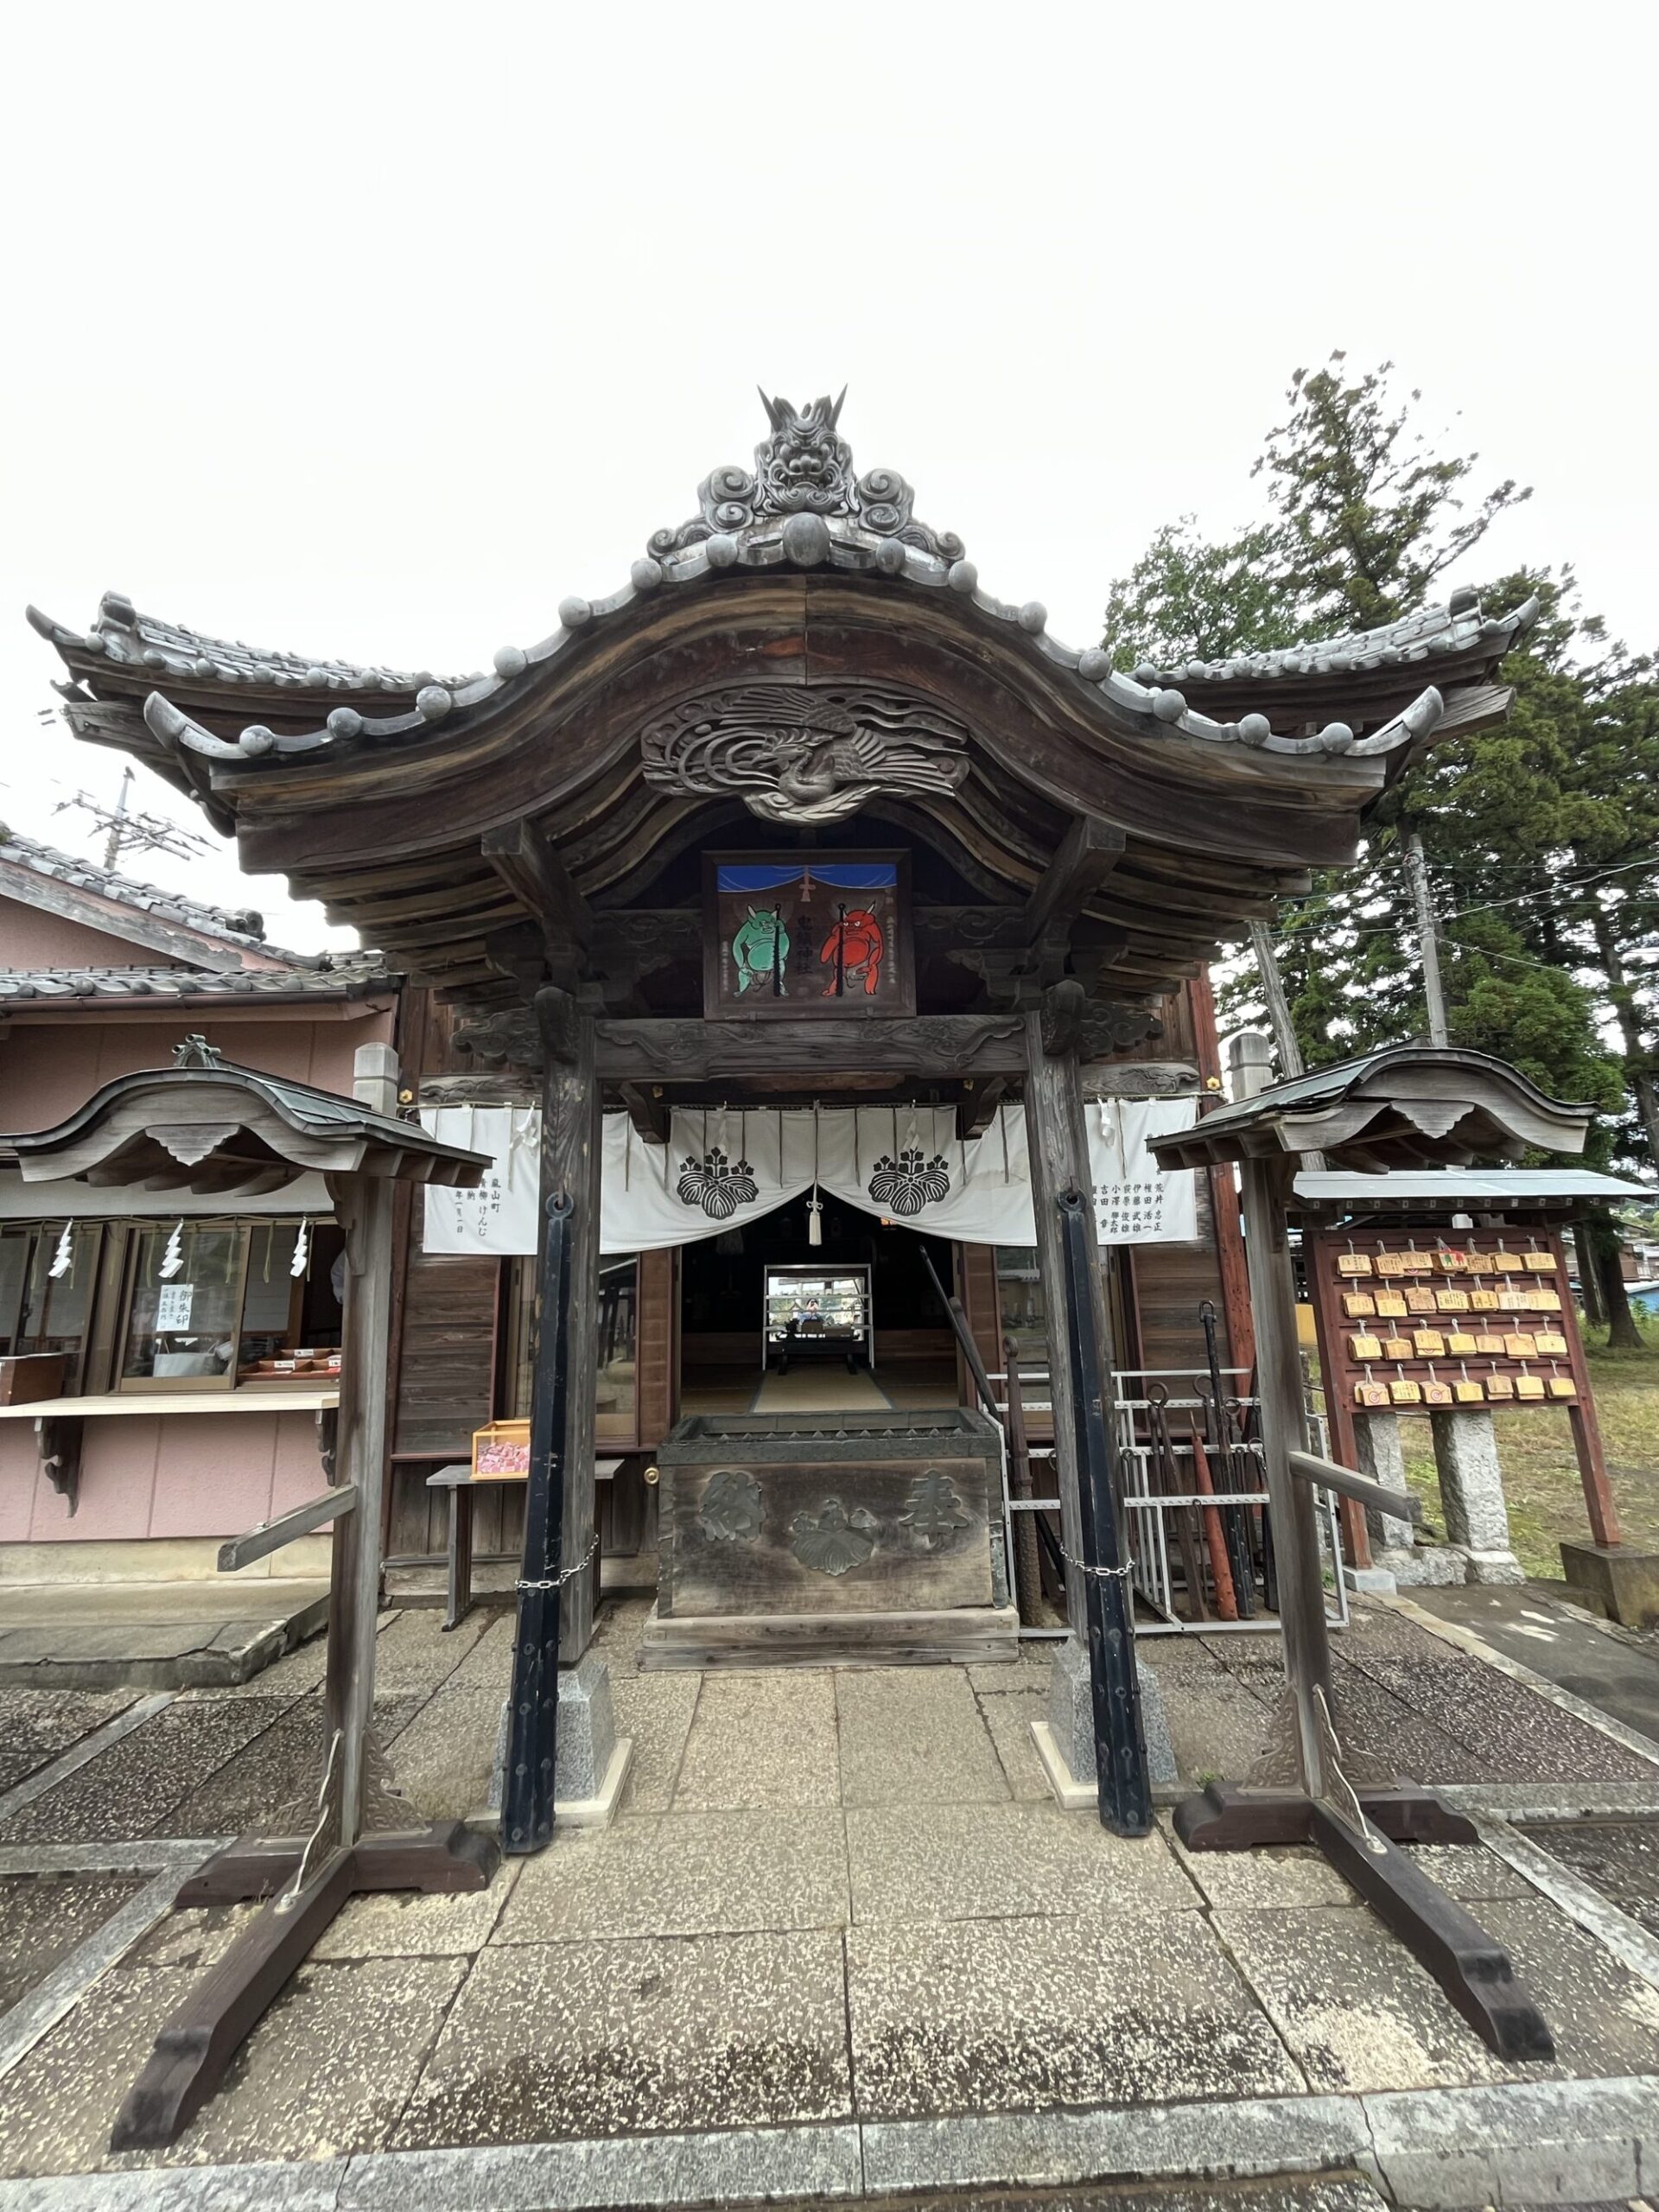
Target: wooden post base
point(1224, 1817)
point(447, 1857)
point(196, 2045)
point(1474, 1972)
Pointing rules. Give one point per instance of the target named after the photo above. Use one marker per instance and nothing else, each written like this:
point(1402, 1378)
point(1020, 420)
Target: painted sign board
point(810, 932)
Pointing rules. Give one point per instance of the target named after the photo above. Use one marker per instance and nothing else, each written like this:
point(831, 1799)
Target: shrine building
point(809, 919)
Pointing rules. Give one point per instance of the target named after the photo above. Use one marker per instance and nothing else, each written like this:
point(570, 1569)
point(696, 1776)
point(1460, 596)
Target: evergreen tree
point(1368, 514)
point(1541, 836)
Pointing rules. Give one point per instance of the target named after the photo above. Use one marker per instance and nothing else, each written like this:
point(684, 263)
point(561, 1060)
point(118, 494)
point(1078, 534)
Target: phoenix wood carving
point(799, 755)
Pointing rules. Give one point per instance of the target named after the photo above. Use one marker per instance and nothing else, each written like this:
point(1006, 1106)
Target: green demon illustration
point(760, 948)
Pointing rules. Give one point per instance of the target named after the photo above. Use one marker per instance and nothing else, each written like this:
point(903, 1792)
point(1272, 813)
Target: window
point(231, 1312)
point(1022, 1310)
point(224, 1307)
point(38, 1310)
point(616, 1397)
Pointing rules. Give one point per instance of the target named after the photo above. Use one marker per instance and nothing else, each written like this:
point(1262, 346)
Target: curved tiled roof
point(239, 927)
point(122, 637)
point(801, 506)
point(341, 976)
point(1431, 633)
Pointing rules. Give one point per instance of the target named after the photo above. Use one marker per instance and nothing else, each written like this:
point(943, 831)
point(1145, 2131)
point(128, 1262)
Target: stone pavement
point(838, 1943)
point(154, 1635)
point(1615, 1668)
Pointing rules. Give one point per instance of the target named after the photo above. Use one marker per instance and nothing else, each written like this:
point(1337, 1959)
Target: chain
point(1101, 1573)
point(558, 1581)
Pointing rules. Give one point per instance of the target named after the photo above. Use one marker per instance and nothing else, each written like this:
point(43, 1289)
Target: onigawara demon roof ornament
point(805, 468)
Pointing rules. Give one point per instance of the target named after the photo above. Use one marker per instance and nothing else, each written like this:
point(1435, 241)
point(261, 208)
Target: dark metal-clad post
point(532, 1746)
point(1119, 1743)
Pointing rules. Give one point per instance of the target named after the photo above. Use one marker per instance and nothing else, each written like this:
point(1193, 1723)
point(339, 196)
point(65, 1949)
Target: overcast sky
point(373, 332)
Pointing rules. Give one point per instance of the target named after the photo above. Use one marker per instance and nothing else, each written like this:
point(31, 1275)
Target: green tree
point(1187, 600)
point(1542, 835)
point(1367, 513)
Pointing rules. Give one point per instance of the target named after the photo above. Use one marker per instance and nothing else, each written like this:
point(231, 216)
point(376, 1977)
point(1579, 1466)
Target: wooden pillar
point(363, 1207)
point(571, 1141)
point(1057, 1138)
point(1279, 1384)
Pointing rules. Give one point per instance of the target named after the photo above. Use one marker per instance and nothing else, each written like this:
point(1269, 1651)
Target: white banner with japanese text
point(724, 1166)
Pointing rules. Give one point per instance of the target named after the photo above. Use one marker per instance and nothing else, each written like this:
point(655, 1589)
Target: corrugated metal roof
point(1449, 1183)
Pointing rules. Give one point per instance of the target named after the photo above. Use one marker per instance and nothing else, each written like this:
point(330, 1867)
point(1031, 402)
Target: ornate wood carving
point(805, 467)
point(799, 753)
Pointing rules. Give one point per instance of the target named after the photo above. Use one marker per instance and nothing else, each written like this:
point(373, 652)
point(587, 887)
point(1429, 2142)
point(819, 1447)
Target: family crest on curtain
point(724, 1166)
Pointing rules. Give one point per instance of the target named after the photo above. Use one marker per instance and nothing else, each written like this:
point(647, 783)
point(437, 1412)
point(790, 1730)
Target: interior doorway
point(769, 1322)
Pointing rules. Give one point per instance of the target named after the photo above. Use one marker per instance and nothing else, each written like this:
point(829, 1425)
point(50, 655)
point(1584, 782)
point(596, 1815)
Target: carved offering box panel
point(807, 933)
point(771, 1516)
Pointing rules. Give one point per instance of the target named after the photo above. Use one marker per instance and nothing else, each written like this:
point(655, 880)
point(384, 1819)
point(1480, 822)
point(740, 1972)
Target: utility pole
point(1428, 940)
point(1273, 990)
point(112, 843)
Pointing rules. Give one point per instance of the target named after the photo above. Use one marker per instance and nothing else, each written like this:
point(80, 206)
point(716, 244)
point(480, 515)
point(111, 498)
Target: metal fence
point(1150, 1511)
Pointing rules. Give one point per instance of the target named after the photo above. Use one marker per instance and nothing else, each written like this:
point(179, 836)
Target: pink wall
point(166, 1475)
point(46, 1072)
point(29, 938)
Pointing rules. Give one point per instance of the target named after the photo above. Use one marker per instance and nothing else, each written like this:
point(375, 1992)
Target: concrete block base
point(964, 1635)
point(591, 1764)
point(1372, 1581)
point(1424, 1566)
point(1617, 1579)
point(1072, 1720)
point(1070, 1795)
point(599, 1811)
point(1495, 1566)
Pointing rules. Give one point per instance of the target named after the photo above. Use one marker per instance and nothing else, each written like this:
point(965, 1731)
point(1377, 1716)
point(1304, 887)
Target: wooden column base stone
point(1472, 1970)
point(197, 2044)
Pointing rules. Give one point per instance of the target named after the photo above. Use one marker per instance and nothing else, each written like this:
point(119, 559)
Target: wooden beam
point(922, 1046)
point(1141, 1079)
point(977, 1108)
point(941, 1046)
point(1090, 851)
point(271, 1535)
point(525, 861)
point(648, 1110)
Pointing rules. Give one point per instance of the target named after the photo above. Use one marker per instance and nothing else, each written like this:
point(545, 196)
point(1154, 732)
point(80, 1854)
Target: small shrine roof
point(1410, 1106)
point(168, 1126)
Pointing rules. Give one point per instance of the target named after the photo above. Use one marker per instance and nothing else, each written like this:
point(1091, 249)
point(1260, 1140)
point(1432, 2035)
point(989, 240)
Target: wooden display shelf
point(248, 1398)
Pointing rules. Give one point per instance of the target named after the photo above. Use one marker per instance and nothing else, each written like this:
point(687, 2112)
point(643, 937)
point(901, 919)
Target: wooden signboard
point(1415, 1320)
point(1476, 1318)
point(813, 933)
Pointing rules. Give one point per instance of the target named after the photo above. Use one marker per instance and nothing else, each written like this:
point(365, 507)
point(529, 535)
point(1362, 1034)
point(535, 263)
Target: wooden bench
point(461, 1484)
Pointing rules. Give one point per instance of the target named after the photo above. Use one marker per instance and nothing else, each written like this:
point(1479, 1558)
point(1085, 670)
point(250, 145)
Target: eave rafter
point(388, 794)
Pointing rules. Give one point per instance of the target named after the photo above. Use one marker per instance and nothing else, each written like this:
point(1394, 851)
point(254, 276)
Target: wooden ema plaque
point(812, 933)
point(1415, 1320)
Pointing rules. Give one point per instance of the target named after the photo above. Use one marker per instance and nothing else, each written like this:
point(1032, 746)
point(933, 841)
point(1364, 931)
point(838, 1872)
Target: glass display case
point(817, 1312)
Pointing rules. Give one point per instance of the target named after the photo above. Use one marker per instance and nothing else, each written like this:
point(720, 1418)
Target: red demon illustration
point(852, 949)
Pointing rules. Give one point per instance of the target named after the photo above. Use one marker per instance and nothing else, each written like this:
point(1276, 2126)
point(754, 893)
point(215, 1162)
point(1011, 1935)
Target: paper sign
point(173, 1306)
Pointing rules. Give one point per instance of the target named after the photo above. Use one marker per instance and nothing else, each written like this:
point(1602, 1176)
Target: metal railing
point(1150, 1512)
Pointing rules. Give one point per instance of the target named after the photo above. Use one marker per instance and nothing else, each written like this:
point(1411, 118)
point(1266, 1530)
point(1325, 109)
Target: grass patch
point(1541, 1474)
